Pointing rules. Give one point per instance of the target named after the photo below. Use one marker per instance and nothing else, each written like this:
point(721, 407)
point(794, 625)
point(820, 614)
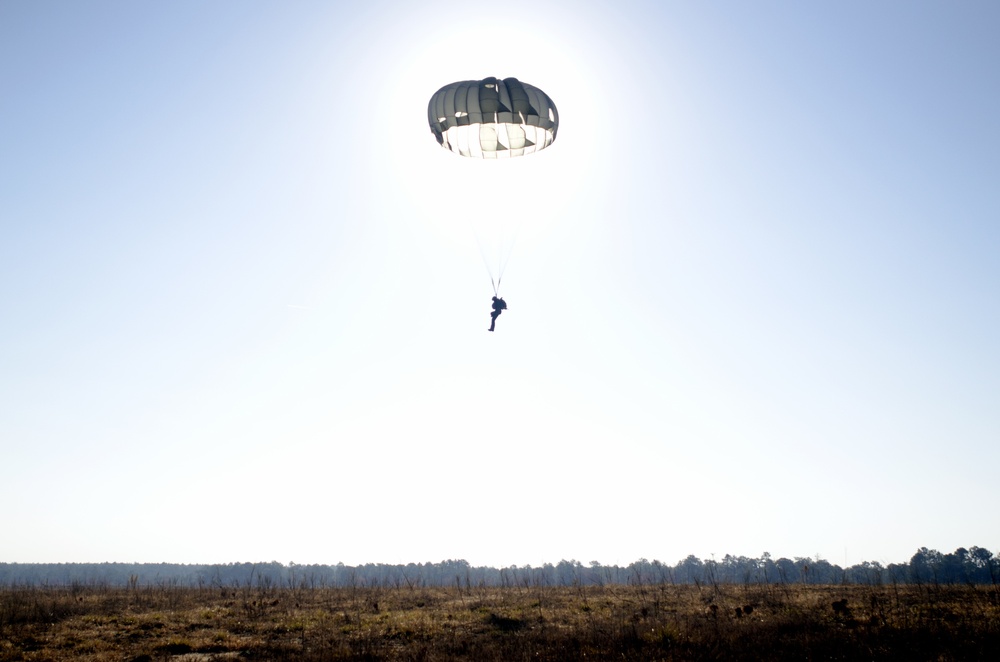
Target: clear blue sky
point(754, 298)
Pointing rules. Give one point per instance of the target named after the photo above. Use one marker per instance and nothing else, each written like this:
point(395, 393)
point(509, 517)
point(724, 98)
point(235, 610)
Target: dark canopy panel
point(492, 118)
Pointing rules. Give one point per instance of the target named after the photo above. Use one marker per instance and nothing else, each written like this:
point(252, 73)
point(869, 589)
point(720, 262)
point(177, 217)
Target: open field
point(530, 622)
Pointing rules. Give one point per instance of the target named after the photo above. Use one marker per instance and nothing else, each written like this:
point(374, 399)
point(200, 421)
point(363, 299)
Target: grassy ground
point(658, 622)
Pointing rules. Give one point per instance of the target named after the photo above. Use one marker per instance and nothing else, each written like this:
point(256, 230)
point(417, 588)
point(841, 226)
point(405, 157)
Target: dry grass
point(657, 622)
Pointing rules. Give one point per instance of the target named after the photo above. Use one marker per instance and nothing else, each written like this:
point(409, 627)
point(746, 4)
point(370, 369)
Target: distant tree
point(787, 570)
point(866, 572)
point(985, 566)
point(690, 570)
point(925, 565)
point(953, 568)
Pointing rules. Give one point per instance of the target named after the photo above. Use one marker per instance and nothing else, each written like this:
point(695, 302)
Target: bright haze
point(754, 297)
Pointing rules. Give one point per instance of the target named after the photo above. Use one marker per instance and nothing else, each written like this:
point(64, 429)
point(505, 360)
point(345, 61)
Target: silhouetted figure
point(499, 305)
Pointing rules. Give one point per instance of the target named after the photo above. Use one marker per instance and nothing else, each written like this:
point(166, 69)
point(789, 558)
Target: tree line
point(974, 565)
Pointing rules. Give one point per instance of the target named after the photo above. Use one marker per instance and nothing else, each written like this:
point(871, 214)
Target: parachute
point(492, 118)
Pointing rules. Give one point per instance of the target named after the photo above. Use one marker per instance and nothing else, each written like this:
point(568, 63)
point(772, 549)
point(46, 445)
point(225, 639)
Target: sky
point(244, 295)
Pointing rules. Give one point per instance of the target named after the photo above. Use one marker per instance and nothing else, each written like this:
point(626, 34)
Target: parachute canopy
point(492, 118)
